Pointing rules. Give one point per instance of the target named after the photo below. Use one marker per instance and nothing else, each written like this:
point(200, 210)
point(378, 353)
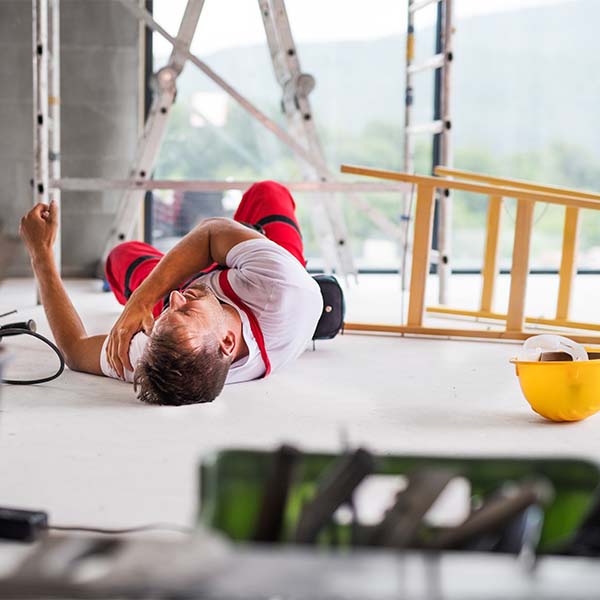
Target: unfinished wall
point(99, 89)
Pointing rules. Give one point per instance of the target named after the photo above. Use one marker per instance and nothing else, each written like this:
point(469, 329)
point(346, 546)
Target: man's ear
point(227, 343)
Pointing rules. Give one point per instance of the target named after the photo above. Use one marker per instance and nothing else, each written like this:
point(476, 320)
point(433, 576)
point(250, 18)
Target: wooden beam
point(514, 183)
point(480, 314)
point(488, 190)
point(484, 334)
point(520, 266)
point(421, 249)
point(568, 262)
point(463, 312)
point(527, 194)
point(489, 271)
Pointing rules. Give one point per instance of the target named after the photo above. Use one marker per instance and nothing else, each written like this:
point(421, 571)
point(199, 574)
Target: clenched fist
point(38, 229)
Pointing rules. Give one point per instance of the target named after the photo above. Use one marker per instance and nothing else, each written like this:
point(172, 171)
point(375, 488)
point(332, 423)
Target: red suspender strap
point(254, 326)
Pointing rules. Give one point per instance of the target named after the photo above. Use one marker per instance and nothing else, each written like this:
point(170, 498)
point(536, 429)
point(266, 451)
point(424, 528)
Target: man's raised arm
point(38, 231)
point(207, 243)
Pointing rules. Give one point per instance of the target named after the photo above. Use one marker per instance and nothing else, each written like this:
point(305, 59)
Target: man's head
point(190, 351)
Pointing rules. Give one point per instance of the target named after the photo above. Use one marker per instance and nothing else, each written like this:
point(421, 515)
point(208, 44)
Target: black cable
point(124, 530)
point(61, 368)
point(30, 525)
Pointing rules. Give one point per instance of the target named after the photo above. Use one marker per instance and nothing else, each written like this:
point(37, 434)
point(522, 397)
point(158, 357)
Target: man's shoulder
point(254, 250)
point(265, 260)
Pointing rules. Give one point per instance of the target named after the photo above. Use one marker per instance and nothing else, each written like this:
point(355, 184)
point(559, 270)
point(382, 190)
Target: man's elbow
point(210, 223)
point(72, 361)
point(82, 364)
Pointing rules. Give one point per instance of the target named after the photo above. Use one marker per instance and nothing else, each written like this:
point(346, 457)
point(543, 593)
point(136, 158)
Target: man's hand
point(210, 241)
point(135, 317)
point(38, 229)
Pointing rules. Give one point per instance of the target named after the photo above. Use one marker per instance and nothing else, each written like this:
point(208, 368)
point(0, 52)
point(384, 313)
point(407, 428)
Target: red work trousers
point(267, 204)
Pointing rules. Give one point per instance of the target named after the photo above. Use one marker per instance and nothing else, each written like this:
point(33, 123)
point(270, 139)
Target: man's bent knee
point(119, 250)
point(268, 188)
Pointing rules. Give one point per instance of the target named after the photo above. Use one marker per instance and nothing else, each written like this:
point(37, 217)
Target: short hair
point(171, 373)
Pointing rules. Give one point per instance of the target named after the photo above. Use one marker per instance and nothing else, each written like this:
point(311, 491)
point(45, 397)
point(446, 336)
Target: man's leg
point(127, 265)
point(270, 205)
point(266, 203)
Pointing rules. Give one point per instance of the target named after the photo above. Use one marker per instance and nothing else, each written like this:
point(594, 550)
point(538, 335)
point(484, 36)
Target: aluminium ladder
point(326, 213)
point(327, 216)
point(46, 113)
point(440, 127)
point(148, 146)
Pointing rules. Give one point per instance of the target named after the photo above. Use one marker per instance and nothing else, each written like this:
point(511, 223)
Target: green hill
point(521, 79)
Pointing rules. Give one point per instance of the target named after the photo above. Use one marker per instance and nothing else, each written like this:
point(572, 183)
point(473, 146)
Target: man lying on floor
point(230, 304)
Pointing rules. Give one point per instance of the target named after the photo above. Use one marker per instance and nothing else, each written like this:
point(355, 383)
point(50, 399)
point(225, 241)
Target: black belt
point(130, 271)
point(278, 219)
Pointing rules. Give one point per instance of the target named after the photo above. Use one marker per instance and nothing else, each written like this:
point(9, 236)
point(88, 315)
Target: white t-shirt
point(284, 298)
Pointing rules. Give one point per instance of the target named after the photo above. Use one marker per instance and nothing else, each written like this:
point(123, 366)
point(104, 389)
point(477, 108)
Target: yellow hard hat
point(561, 390)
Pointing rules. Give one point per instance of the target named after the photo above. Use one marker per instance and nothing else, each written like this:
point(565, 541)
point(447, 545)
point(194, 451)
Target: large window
point(524, 105)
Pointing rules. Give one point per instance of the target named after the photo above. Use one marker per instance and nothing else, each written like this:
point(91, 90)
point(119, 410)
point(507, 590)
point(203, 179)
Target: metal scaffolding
point(440, 63)
point(318, 178)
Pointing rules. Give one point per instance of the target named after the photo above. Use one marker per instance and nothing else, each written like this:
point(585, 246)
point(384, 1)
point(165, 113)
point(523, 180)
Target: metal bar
point(444, 145)
point(435, 62)
point(434, 256)
point(433, 127)
point(41, 166)
point(296, 87)
point(421, 250)
point(185, 34)
point(568, 263)
point(408, 143)
point(492, 248)
point(320, 167)
point(128, 211)
point(464, 271)
point(91, 184)
point(460, 312)
point(496, 512)
point(422, 4)
point(520, 265)
point(126, 216)
point(54, 124)
point(146, 58)
point(567, 323)
point(40, 101)
point(326, 213)
point(280, 133)
point(532, 271)
point(436, 146)
point(377, 217)
point(408, 99)
point(438, 237)
point(476, 188)
point(440, 127)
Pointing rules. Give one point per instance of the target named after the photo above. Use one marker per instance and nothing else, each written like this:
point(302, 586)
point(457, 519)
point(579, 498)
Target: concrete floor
point(86, 450)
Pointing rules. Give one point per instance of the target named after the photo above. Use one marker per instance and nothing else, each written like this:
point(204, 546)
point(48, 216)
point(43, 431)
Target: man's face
point(194, 312)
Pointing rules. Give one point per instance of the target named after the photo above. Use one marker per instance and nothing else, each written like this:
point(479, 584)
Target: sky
point(229, 23)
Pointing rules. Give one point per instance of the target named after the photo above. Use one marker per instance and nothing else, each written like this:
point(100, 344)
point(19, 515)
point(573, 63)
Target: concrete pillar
point(100, 76)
